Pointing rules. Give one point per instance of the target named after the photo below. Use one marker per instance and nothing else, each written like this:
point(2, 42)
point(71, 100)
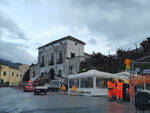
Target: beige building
point(23, 68)
point(10, 75)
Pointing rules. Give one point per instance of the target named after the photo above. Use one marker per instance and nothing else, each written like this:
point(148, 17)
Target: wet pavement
point(16, 101)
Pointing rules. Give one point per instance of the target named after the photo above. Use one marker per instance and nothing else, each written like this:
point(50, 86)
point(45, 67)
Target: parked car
point(40, 90)
point(28, 86)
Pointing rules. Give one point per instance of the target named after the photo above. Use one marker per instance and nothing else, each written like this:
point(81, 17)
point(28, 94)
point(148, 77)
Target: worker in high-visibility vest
point(132, 90)
point(120, 90)
point(110, 88)
point(114, 89)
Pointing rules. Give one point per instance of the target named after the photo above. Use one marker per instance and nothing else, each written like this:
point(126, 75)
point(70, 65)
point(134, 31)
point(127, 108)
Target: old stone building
point(34, 71)
point(61, 58)
point(23, 69)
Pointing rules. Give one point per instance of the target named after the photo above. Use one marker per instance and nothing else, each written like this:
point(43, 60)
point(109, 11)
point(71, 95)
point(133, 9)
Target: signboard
point(146, 71)
point(127, 62)
point(141, 79)
point(137, 69)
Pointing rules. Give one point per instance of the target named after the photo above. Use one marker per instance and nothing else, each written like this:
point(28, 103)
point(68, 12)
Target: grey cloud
point(3, 2)
point(8, 25)
point(14, 53)
point(92, 41)
point(119, 20)
point(8, 50)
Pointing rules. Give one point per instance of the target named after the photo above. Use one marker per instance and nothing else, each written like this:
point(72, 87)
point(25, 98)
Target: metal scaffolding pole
point(132, 74)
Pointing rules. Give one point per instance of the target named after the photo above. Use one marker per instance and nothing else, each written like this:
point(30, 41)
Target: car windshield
point(74, 56)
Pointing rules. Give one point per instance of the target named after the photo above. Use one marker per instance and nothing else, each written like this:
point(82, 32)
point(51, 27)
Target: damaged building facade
point(61, 58)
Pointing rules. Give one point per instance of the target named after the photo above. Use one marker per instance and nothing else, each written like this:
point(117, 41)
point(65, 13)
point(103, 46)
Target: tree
point(26, 76)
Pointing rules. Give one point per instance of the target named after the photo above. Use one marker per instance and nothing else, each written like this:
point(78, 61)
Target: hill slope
point(9, 63)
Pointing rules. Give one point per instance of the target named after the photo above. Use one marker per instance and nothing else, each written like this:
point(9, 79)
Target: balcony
point(51, 62)
point(59, 61)
point(42, 64)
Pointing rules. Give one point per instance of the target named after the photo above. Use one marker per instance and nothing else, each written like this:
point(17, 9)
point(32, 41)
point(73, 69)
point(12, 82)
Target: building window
point(76, 43)
point(60, 58)
point(72, 55)
point(42, 62)
point(51, 62)
point(12, 73)
point(60, 73)
point(60, 42)
point(70, 69)
point(1, 80)
point(5, 73)
point(33, 74)
point(17, 75)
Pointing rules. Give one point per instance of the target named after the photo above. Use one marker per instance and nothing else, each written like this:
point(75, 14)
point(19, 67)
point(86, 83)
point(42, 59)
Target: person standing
point(114, 89)
point(119, 90)
point(110, 89)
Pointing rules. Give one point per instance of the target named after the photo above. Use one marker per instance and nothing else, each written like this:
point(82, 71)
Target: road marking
point(16, 109)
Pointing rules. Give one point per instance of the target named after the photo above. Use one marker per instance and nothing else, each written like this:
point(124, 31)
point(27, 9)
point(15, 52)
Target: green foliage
point(115, 63)
point(26, 76)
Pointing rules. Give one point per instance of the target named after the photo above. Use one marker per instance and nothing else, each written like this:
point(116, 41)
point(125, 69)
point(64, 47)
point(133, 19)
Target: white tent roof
point(123, 73)
point(93, 73)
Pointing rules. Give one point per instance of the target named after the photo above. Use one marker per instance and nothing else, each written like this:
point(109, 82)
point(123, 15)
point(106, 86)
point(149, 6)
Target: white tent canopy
point(93, 73)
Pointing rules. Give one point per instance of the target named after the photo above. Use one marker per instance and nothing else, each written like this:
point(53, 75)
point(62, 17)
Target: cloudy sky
point(104, 25)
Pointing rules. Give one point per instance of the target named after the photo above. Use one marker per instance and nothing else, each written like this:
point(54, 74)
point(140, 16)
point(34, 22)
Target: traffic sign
point(127, 61)
point(146, 71)
point(137, 69)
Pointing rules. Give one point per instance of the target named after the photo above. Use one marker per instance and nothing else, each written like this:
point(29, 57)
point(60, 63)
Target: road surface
point(16, 101)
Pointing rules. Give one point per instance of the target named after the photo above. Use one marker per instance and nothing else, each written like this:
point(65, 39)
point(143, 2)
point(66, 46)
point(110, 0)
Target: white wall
point(67, 47)
point(77, 49)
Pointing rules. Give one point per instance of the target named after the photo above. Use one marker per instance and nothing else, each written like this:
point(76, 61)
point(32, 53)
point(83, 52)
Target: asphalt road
point(16, 101)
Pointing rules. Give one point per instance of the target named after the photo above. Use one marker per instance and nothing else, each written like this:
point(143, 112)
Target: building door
point(52, 74)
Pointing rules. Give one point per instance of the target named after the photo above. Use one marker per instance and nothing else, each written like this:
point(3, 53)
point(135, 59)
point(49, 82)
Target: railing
point(59, 61)
point(42, 64)
point(51, 62)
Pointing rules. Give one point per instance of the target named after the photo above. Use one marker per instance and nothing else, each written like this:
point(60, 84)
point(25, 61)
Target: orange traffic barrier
point(141, 79)
point(73, 89)
point(63, 88)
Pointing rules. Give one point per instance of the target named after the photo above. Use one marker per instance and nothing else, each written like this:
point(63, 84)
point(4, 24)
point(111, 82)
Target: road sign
point(137, 69)
point(127, 61)
point(146, 71)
